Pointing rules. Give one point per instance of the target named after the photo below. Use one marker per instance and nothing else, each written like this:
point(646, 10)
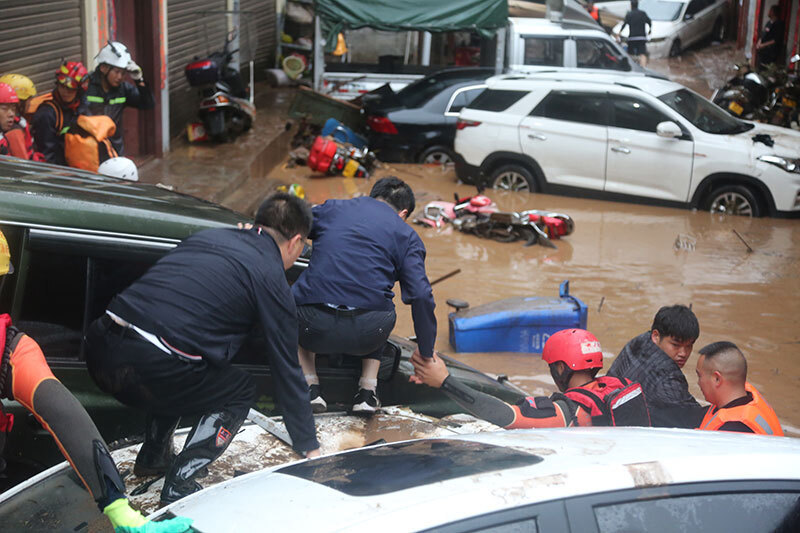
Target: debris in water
point(749, 249)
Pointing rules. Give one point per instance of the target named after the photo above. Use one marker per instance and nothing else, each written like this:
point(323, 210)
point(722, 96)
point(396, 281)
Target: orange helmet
point(73, 75)
point(7, 94)
point(577, 348)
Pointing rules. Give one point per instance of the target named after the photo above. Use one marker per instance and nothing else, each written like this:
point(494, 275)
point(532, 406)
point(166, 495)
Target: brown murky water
point(626, 257)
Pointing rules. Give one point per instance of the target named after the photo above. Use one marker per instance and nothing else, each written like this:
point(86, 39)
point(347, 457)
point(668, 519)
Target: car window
point(545, 51)
point(696, 6)
point(746, 511)
point(463, 99)
point(597, 53)
point(661, 9)
point(496, 99)
point(589, 108)
point(703, 114)
point(633, 114)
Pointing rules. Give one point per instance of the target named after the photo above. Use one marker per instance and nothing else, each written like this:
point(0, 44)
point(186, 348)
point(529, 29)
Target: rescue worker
point(109, 94)
point(574, 357)
point(735, 404)
point(655, 358)
point(362, 247)
point(9, 145)
point(166, 342)
point(19, 135)
point(26, 378)
point(593, 11)
point(57, 113)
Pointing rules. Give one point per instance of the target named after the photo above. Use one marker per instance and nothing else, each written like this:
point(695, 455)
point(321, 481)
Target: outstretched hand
point(430, 371)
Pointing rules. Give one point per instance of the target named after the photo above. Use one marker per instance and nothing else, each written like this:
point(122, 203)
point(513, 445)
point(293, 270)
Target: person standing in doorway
point(770, 44)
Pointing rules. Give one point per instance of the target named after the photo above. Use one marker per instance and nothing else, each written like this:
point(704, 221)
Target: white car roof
point(411, 486)
point(649, 84)
point(542, 26)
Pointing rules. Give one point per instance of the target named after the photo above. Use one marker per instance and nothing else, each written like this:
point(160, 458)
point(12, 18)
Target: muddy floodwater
point(624, 261)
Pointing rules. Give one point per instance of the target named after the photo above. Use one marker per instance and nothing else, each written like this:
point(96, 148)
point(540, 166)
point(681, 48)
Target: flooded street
point(624, 262)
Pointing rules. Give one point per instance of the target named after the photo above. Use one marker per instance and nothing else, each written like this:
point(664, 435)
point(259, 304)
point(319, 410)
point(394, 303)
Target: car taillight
point(461, 124)
point(381, 125)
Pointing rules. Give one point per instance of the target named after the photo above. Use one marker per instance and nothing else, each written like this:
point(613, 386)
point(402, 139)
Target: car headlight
point(789, 165)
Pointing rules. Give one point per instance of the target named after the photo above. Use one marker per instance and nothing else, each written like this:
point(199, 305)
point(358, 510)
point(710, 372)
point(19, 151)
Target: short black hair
point(729, 359)
point(287, 214)
point(676, 321)
point(710, 350)
point(395, 192)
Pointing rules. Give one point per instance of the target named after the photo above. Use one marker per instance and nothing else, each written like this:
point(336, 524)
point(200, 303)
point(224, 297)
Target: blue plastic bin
point(520, 324)
point(342, 133)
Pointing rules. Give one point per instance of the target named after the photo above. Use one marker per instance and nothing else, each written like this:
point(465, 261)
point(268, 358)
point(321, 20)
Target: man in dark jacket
point(166, 342)
point(636, 20)
point(655, 359)
point(109, 94)
point(362, 247)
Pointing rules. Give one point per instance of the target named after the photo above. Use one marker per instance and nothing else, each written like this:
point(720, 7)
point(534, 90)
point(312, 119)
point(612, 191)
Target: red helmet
point(7, 94)
point(73, 75)
point(578, 348)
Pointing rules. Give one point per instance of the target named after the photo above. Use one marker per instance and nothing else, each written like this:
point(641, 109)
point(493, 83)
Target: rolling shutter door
point(262, 24)
point(190, 35)
point(35, 36)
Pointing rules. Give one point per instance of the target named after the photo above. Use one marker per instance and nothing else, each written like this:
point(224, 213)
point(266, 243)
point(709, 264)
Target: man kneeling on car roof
point(575, 357)
point(735, 404)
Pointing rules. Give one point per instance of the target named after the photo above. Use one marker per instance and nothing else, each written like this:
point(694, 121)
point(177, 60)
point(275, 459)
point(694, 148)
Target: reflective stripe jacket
point(113, 103)
point(757, 415)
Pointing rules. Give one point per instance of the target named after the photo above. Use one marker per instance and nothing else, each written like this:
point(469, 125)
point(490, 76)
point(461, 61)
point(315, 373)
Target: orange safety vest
point(595, 13)
point(757, 415)
point(33, 104)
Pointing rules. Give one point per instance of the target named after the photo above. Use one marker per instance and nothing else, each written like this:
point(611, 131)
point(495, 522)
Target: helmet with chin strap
point(114, 53)
point(23, 85)
point(73, 75)
point(578, 349)
point(7, 94)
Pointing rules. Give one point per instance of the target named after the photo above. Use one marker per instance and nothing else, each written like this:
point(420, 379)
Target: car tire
point(675, 49)
point(718, 33)
point(439, 155)
point(734, 200)
point(514, 178)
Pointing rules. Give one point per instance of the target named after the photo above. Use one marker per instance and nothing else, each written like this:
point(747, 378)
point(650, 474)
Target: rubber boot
point(208, 439)
point(156, 453)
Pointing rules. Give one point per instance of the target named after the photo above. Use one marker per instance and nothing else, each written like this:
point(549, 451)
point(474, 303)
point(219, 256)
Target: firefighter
point(109, 94)
point(575, 357)
point(26, 378)
point(735, 404)
point(57, 111)
point(18, 136)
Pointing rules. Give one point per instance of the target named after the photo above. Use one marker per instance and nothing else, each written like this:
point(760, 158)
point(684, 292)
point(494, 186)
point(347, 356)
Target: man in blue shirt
point(362, 246)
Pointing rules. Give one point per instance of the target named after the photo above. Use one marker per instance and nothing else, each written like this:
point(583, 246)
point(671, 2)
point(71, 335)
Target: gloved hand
point(179, 524)
point(125, 519)
point(134, 70)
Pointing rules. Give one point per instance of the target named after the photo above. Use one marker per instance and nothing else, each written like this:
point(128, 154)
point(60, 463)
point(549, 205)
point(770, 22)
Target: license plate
point(736, 108)
point(789, 102)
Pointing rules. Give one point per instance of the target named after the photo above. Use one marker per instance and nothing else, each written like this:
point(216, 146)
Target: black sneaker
point(366, 402)
point(318, 404)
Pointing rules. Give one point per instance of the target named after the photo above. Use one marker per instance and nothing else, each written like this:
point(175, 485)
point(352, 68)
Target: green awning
point(483, 16)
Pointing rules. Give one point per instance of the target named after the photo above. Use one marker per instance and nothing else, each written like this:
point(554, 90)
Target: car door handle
point(537, 136)
point(621, 149)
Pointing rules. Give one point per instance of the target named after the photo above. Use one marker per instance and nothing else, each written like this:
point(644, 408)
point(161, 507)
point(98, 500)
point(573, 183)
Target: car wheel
point(675, 49)
point(734, 200)
point(440, 155)
point(718, 33)
point(514, 178)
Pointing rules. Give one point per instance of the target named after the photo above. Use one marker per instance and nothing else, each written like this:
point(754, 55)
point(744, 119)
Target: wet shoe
point(366, 402)
point(318, 403)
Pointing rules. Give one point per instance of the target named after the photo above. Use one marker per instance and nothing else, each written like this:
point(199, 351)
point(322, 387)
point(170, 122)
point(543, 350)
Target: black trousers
point(354, 332)
point(140, 375)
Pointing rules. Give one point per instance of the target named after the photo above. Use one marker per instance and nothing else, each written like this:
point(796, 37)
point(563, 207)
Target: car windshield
point(703, 114)
point(661, 10)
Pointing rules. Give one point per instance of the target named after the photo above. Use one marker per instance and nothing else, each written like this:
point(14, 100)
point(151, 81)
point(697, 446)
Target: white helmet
point(115, 54)
point(119, 167)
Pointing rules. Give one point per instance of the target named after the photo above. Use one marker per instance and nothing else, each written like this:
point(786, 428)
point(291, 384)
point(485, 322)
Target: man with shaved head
point(735, 404)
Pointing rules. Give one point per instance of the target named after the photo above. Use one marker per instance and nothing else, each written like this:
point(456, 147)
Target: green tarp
point(483, 16)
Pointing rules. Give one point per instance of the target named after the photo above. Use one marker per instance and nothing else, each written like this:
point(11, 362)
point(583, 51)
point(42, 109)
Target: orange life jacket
point(595, 13)
point(757, 415)
point(87, 145)
point(33, 104)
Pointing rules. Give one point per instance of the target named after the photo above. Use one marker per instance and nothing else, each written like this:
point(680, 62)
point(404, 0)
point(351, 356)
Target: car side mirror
point(668, 129)
point(688, 16)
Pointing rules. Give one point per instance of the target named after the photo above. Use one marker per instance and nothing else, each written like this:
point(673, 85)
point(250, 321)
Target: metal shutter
point(262, 24)
point(190, 35)
point(35, 36)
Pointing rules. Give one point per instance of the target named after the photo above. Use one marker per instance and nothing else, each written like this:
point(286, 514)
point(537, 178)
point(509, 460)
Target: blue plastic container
point(342, 133)
point(516, 324)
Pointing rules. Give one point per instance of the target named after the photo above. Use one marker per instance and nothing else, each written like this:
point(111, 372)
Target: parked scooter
point(784, 100)
point(479, 215)
point(225, 109)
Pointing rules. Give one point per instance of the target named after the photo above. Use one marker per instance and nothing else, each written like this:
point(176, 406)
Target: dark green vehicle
point(77, 239)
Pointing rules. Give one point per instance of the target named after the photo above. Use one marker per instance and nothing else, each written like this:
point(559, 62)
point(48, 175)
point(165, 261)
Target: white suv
point(625, 137)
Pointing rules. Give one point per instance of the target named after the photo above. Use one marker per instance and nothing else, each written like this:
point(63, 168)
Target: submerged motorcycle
point(226, 108)
point(480, 216)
